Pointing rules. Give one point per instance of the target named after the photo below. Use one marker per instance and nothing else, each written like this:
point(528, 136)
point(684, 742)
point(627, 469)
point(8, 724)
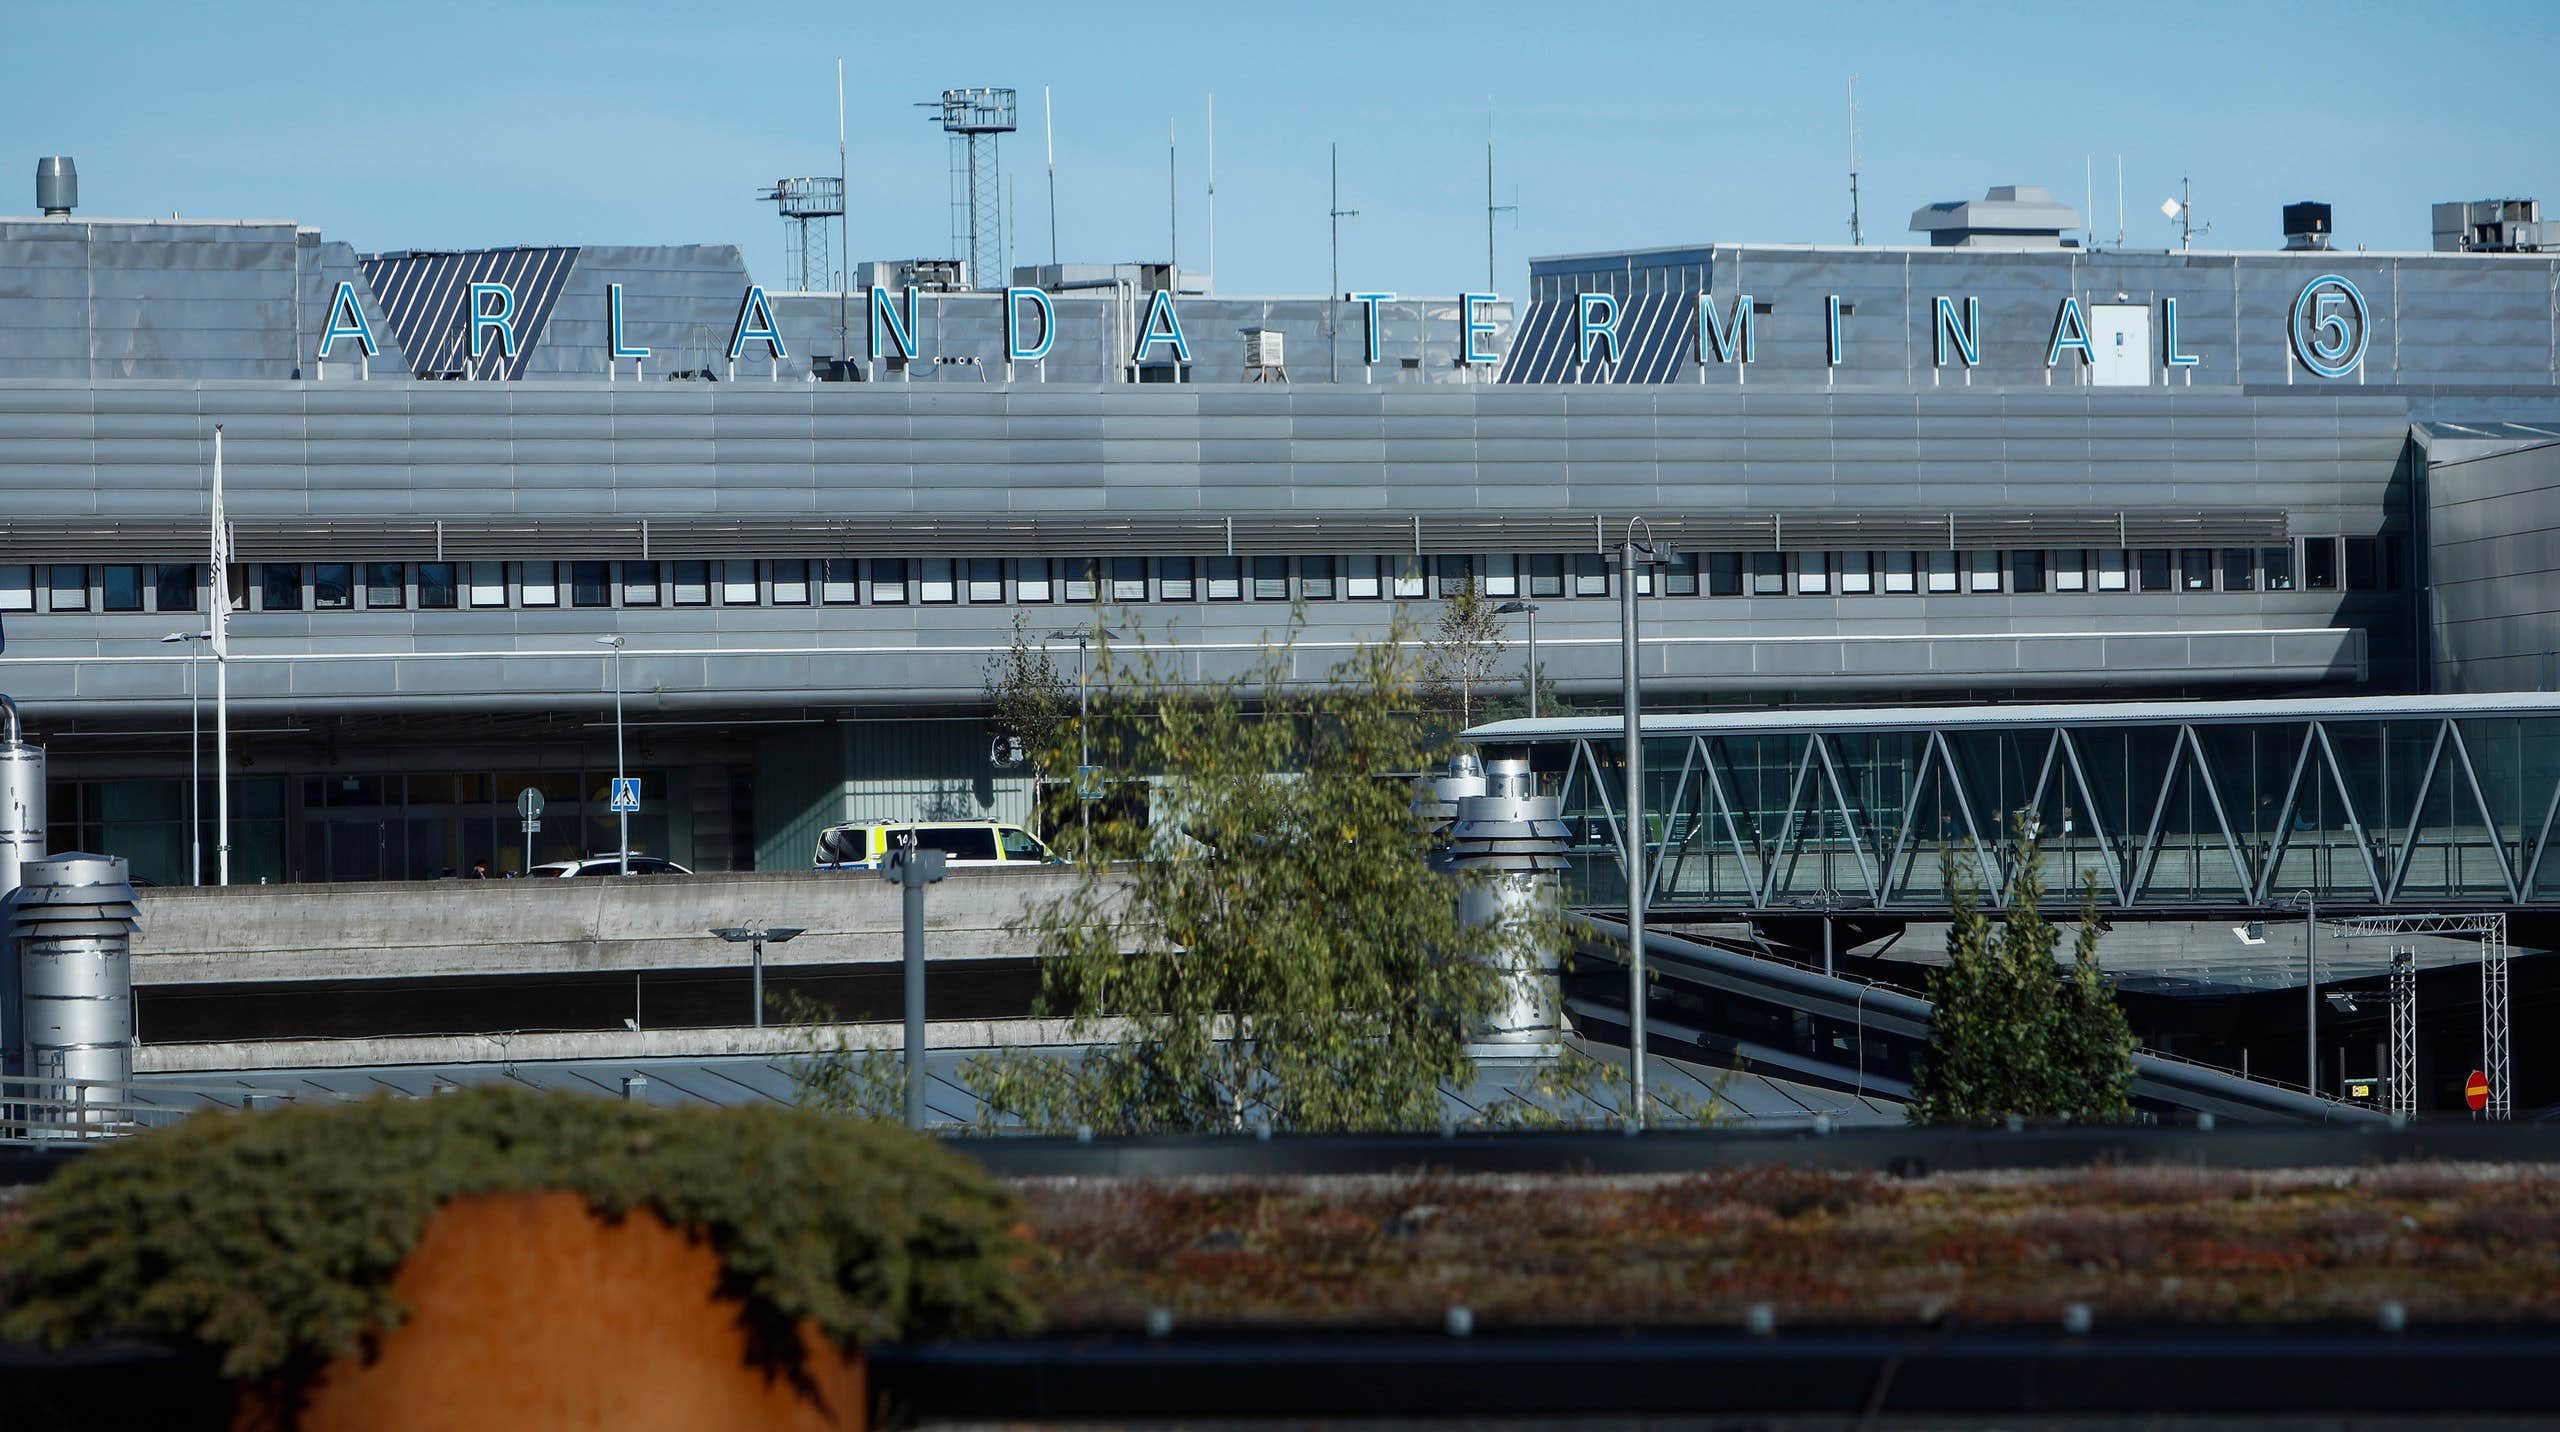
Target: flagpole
point(221, 603)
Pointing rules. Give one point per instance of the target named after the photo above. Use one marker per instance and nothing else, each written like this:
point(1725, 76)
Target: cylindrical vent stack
point(57, 186)
point(72, 929)
point(21, 840)
point(1510, 847)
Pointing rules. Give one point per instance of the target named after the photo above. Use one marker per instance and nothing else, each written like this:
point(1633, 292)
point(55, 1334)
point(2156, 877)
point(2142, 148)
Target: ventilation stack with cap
point(1509, 845)
point(21, 840)
point(57, 186)
point(1436, 797)
point(72, 924)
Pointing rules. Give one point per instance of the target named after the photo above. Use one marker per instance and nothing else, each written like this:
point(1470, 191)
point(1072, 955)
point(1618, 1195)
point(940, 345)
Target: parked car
point(606, 865)
point(863, 844)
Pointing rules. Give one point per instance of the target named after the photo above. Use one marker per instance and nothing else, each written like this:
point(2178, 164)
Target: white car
point(606, 865)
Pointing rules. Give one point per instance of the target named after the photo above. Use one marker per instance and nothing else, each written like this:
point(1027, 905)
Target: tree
point(1033, 702)
point(1463, 660)
point(2007, 1036)
point(1274, 949)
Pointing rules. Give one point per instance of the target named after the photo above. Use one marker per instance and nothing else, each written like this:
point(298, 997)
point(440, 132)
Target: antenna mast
point(1490, 208)
point(1857, 236)
point(2119, 201)
point(1172, 197)
point(1213, 186)
point(1333, 299)
point(844, 231)
point(1049, 136)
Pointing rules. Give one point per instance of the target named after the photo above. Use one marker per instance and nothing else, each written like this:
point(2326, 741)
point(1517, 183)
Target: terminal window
point(1128, 579)
point(2026, 571)
point(332, 586)
point(1315, 578)
point(1271, 579)
point(1813, 574)
point(2195, 569)
point(840, 582)
point(1362, 583)
point(1901, 572)
point(2111, 569)
point(2320, 563)
point(436, 586)
point(692, 584)
point(889, 581)
point(935, 584)
point(17, 587)
point(1079, 577)
point(1174, 579)
point(2071, 570)
point(591, 584)
point(540, 583)
point(1030, 579)
point(1226, 580)
point(488, 584)
point(2276, 564)
point(1857, 573)
point(120, 588)
point(2154, 565)
point(738, 583)
point(639, 584)
point(385, 585)
point(2239, 569)
point(1546, 576)
point(791, 582)
point(279, 586)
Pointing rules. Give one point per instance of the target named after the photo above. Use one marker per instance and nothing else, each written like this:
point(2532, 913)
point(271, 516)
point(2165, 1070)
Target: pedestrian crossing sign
point(626, 793)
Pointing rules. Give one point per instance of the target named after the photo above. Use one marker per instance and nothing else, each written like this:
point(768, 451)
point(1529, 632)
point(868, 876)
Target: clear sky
point(461, 124)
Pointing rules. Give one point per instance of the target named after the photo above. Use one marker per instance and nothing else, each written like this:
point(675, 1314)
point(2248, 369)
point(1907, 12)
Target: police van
point(864, 844)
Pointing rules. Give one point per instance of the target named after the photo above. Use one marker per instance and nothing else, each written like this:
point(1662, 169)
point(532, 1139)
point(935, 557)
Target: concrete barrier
point(421, 929)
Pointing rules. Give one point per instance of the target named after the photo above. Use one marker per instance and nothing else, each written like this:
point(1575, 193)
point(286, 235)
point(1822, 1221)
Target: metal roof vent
point(57, 186)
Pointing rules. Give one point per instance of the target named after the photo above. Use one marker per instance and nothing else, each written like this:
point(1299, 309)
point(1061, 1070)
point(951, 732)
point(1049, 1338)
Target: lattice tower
point(807, 205)
point(976, 119)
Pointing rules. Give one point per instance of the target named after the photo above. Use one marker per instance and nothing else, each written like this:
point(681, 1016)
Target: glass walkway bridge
point(2371, 805)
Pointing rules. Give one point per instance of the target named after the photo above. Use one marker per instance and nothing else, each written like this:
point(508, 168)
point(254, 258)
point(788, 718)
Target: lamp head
point(614, 641)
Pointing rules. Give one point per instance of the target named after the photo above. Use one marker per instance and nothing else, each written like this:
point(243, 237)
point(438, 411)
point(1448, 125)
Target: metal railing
point(42, 1112)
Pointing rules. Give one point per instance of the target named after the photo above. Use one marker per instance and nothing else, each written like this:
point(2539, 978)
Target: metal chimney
point(1509, 847)
point(72, 924)
point(57, 186)
point(21, 841)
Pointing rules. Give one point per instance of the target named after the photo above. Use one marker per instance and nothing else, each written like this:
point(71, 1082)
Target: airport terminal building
point(1992, 466)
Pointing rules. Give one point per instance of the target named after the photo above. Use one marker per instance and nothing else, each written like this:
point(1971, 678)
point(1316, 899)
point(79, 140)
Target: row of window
point(2318, 564)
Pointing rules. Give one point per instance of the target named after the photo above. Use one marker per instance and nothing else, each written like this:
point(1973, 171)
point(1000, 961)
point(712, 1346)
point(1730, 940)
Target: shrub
point(272, 1238)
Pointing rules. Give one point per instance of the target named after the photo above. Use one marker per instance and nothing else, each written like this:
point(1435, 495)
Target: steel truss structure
point(2497, 1032)
point(2222, 806)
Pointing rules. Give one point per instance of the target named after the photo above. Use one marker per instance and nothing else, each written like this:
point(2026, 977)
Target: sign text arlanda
point(2327, 327)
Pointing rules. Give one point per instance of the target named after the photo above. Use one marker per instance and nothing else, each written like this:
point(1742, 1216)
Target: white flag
point(221, 557)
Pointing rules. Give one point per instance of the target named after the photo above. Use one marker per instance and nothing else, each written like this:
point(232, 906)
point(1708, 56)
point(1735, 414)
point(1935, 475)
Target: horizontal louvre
point(1169, 534)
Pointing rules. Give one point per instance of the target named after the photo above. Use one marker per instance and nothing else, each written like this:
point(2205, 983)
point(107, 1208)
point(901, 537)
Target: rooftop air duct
point(57, 186)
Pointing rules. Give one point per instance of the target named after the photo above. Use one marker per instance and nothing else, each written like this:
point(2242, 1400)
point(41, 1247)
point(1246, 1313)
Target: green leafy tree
point(1272, 948)
point(1462, 662)
point(2008, 1035)
point(1031, 700)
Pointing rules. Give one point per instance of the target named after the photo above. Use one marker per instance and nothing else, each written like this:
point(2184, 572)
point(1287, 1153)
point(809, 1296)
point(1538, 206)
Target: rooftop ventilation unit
point(2307, 226)
point(2493, 226)
point(2009, 216)
point(57, 186)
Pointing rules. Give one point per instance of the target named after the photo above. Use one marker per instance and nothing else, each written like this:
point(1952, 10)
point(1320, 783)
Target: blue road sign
point(626, 793)
point(1089, 783)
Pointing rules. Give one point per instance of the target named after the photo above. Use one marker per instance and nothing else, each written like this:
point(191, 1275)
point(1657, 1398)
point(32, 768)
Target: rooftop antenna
point(844, 227)
point(1333, 296)
point(1049, 136)
point(2089, 198)
point(2183, 209)
point(1857, 235)
point(2119, 200)
point(1172, 198)
point(1491, 208)
point(975, 119)
point(1213, 186)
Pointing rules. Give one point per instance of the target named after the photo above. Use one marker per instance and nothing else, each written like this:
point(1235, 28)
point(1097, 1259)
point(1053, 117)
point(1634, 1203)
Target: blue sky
point(460, 124)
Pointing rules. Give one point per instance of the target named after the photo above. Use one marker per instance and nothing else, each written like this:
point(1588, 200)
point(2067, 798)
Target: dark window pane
point(1546, 576)
point(1174, 579)
point(385, 585)
point(889, 581)
point(1128, 579)
point(2195, 569)
point(2364, 565)
point(958, 842)
point(639, 584)
point(280, 586)
point(1590, 575)
point(1315, 578)
point(120, 588)
point(2320, 563)
point(1769, 574)
point(2239, 569)
point(174, 586)
point(1724, 574)
point(1271, 579)
point(591, 584)
point(693, 583)
point(436, 585)
point(333, 586)
point(2277, 563)
point(2026, 571)
point(2155, 569)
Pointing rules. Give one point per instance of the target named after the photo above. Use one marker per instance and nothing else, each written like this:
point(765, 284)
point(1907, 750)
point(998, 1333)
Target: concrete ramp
point(430, 929)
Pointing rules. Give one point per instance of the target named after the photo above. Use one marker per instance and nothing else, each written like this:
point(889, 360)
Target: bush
point(272, 1238)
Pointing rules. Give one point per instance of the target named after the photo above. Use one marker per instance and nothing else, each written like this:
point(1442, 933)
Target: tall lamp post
point(622, 818)
point(1083, 638)
point(1530, 609)
point(756, 935)
point(1635, 557)
point(195, 641)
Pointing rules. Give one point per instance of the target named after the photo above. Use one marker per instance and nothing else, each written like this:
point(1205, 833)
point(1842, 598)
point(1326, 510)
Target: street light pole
point(1531, 609)
point(195, 755)
point(2310, 990)
point(622, 818)
point(1632, 555)
point(1084, 726)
